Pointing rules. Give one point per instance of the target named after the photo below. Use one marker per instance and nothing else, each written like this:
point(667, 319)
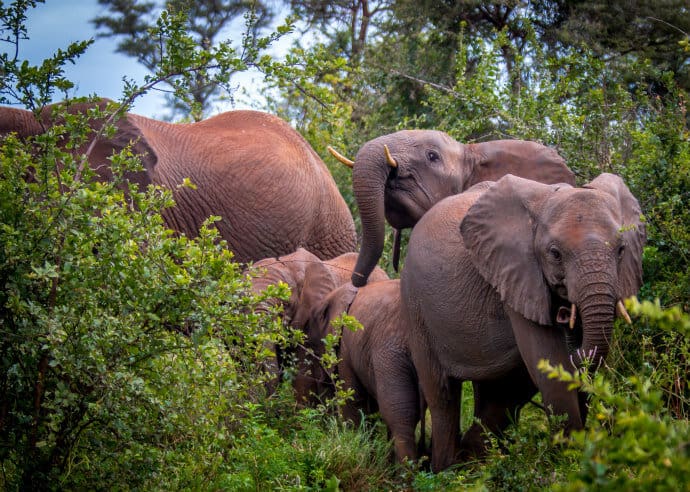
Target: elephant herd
point(508, 261)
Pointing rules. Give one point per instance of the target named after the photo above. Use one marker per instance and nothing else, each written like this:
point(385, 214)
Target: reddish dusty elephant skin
point(271, 190)
point(490, 277)
point(398, 177)
point(375, 361)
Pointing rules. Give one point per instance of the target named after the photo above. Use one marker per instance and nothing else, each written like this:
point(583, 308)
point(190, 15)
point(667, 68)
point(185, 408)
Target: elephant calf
point(310, 279)
point(375, 362)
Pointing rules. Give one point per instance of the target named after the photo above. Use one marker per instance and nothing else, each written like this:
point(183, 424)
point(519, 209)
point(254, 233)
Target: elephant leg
point(398, 400)
point(537, 342)
point(443, 397)
point(353, 409)
point(444, 400)
point(497, 404)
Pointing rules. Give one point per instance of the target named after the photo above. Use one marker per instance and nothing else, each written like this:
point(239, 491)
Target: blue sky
point(57, 23)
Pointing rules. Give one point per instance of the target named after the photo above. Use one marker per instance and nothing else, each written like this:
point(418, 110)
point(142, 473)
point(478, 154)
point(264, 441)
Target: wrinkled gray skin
point(310, 279)
point(271, 189)
point(375, 361)
point(431, 166)
point(490, 275)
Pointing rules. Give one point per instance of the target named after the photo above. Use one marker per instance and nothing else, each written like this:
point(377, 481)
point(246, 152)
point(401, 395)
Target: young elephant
point(310, 280)
point(375, 361)
point(509, 273)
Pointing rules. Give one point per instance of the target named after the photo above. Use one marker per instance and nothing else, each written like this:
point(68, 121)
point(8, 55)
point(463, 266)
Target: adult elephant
point(375, 362)
point(310, 280)
point(271, 190)
point(402, 175)
point(494, 277)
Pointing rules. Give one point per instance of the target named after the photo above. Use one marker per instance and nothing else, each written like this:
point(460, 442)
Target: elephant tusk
point(389, 157)
point(622, 312)
point(340, 157)
point(573, 310)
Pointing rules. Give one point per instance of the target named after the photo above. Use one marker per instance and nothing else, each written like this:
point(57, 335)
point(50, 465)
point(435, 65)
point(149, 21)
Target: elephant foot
point(473, 445)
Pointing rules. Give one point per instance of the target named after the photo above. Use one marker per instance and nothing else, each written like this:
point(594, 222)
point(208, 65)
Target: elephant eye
point(555, 253)
point(432, 155)
point(621, 251)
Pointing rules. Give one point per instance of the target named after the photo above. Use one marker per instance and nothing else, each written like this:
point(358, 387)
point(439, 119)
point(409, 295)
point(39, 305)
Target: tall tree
point(629, 32)
point(132, 21)
point(345, 23)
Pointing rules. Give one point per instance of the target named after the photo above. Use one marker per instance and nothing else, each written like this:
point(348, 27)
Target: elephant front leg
point(537, 342)
point(497, 404)
point(444, 400)
point(398, 398)
point(359, 403)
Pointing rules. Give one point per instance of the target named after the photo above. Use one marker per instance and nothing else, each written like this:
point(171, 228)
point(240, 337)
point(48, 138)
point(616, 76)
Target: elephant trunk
point(597, 309)
point(369, 176)
point(597, 327)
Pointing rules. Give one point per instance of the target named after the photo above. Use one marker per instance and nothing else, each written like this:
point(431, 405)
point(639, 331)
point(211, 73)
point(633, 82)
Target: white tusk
point(622, 312)
point(573, 310)
point(389, 157)
point(340, 157)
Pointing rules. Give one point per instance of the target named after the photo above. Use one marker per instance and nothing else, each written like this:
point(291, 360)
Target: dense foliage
point(131, 358)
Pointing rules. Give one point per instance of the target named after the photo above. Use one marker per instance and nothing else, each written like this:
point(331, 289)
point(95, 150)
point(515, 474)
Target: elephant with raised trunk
point(398, 177)
point(271, 190)
point(375, 361)
point(310, 280)
point(495, 278)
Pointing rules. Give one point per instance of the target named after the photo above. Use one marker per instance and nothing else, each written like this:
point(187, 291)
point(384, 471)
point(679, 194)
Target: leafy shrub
point(122, 345)
point(632, 441)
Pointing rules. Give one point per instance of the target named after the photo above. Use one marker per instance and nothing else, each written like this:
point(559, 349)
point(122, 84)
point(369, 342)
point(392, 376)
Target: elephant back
point(272, 191)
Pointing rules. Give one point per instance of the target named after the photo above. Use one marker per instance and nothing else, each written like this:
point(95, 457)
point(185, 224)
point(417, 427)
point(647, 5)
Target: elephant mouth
point(566, 319)
point(405, 202)
point(563, 315)
point(402, 210)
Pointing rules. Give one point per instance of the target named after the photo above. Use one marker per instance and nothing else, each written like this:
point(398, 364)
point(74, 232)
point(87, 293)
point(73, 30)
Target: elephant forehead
point(419, 137)
point(570, 210)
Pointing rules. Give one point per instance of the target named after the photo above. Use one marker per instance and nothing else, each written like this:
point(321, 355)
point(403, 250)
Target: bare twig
point(425, 82)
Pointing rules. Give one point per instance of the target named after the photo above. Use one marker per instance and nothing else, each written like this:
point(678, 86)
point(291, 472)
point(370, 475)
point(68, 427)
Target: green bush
point(122, 345)
point(632, 440)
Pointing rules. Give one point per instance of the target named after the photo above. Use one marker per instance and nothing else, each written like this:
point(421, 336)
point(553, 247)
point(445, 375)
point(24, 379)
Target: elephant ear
point(522, 158)
point(319, 281)
point(289, 269)
point(130, 131)
point(331, 306)
point(498, 232)
point(632, 228)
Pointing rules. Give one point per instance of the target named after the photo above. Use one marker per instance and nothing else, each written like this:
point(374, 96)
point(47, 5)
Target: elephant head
point(310, 280)
point(27, 124)
point(402, 175)
point(552, 250)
